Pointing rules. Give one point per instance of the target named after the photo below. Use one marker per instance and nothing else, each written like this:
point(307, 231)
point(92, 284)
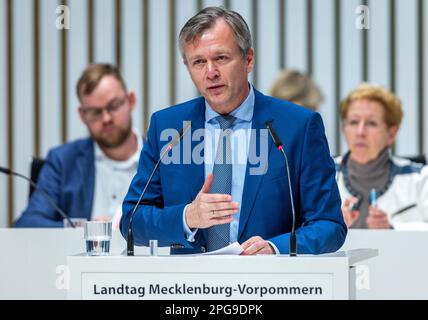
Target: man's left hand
point(256, 245)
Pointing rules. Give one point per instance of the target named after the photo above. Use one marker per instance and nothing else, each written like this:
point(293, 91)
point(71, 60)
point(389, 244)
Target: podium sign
point(329, 276)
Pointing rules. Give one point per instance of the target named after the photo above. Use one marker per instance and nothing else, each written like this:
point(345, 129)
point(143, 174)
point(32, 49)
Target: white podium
point(328, 276)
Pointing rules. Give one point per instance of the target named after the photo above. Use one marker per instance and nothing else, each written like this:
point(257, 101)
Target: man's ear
point(81, 115)
point(132, 99)
point(249, 59)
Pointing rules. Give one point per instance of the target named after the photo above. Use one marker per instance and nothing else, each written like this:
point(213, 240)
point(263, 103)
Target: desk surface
point(33, 262)
point(400, 271)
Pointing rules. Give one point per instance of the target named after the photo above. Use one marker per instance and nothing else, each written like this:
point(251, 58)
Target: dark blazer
point(68, 176)
point(265, 207)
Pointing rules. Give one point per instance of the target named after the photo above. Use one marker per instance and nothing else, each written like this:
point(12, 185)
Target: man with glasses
point(88, 178)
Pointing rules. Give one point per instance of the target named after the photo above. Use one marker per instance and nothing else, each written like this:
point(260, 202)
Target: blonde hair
point(92, 76)
point(390, 102)
point(297, 87)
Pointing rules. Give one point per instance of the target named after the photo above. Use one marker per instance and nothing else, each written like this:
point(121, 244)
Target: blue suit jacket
point(265, 207)
point(68, 176)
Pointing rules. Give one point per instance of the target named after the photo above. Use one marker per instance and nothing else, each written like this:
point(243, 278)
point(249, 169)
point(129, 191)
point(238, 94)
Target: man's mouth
point(109, 130)
point(216, 89)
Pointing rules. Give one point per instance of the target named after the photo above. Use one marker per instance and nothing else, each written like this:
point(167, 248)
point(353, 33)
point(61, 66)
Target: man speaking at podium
point(214, 198)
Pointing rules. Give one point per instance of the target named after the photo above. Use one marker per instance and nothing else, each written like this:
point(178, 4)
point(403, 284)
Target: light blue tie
point(219, 235)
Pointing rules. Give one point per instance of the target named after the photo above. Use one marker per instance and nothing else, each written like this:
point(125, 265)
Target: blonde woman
point(378, 190)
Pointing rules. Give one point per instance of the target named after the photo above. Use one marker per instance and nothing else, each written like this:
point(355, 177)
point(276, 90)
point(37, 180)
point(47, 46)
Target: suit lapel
point(252, 181)
point(86, 170)
point(196, 172)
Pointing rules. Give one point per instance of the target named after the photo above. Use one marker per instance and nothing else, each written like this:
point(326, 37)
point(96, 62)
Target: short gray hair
point(206, 18)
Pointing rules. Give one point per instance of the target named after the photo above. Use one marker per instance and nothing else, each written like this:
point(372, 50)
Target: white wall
point(3, 119)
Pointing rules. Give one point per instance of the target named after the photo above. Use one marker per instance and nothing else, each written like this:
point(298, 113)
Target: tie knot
point(225, 122)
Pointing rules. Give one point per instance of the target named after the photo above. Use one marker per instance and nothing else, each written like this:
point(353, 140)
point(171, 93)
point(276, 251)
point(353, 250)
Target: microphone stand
point(44, 193)
point(279, 145)
point(130, 236)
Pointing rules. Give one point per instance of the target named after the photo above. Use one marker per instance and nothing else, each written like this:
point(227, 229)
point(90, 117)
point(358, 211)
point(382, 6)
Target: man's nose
point(106, 116)
point(212, 71)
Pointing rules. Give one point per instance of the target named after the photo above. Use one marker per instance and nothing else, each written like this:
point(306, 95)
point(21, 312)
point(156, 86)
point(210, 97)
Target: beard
point(113, 140)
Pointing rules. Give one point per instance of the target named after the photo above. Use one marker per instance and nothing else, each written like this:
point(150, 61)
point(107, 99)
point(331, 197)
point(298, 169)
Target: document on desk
point(232, 249)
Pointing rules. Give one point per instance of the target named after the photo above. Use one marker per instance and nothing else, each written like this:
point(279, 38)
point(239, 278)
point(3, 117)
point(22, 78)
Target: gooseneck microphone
point(47, 197)
point(279, 146)
point(130, 237)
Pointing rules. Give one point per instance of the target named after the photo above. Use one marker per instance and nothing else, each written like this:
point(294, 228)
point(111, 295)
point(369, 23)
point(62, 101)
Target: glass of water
point(97, 236)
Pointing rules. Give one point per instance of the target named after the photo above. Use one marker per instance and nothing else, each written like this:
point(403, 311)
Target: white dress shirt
point(112, 180)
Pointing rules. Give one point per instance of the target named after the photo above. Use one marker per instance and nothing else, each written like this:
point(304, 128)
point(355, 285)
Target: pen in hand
point(373, 198)
point(376, 219)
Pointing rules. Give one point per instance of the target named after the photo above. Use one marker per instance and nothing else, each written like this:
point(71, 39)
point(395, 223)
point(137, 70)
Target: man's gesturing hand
point(210, 209)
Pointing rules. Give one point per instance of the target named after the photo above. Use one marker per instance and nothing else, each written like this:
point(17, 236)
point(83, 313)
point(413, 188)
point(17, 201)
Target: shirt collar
point(244, 113)
point(126, 164)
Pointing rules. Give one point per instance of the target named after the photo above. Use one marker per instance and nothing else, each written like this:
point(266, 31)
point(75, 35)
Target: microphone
point(130, 237)
point(47, 197)
point(279, 146)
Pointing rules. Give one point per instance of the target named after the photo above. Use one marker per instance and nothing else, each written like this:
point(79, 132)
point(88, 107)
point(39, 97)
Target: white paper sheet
point(232, 249)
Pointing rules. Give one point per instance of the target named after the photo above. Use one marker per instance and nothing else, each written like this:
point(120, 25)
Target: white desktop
point(34, 262)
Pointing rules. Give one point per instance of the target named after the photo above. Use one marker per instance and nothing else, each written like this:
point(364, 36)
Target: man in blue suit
point(88, 178)
point(183, 207)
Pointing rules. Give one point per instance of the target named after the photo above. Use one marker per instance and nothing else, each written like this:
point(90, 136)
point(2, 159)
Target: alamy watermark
point(362, 22)
point(63, 17)
point(62, 281)
point(248, 145)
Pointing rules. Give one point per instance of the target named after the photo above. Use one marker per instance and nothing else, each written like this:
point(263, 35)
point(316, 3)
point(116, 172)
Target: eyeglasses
point(93, 114)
